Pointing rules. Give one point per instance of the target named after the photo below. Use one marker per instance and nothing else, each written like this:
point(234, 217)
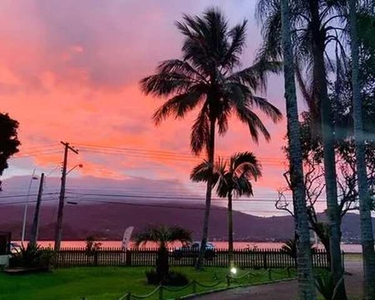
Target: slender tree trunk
point(367, 237)
point(327, 132)
point(321, 233)
point(230, 230)
point(306, 287)
point(211, 155)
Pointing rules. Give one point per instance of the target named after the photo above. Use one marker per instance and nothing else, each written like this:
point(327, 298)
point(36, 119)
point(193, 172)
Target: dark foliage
point(32, 256)
point(163, 235)
point(327, 288)
point(9, 142)
point(173, 278)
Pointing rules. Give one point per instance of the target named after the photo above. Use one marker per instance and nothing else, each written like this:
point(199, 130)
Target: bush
point(177, 279)
point(327, 287)
point(32, 257)
point(172, 278)
point(92, 245)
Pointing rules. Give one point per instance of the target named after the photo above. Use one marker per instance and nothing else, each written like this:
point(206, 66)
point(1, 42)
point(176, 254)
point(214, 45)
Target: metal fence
point(259, 258)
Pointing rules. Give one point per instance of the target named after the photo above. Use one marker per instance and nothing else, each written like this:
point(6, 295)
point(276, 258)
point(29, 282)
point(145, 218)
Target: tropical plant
point(163, 235)
point(367, 237)
point(207, 78)
point(290, 248)
point(327, 287)
point(92, 245)
point(233, 179)
point(315, 27)
point(9, 142)
point(32, 257)
point(306, 289)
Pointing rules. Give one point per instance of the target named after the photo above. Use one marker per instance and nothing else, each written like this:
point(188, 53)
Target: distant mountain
point(108, 221)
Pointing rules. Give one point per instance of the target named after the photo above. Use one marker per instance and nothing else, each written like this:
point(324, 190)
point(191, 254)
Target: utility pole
point(58, 230)
point(35, 227)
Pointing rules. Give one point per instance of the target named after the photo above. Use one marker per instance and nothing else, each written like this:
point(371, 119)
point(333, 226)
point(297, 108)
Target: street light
point(76, 166)
point(33, 177)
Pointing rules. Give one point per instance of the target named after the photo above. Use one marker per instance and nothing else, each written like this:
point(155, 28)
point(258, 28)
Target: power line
point(138, 151)
point(35, 154)
point(167, 197)
point(19, 196)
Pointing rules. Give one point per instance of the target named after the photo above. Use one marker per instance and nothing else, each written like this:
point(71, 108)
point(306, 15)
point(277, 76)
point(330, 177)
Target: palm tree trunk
point(230, 230)
point(306, 288)
point(367, 238)
point(327, 129)
point(211, 154)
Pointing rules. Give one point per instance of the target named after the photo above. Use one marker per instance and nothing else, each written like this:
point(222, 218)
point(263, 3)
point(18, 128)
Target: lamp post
point(33, 177)
point(76, 166)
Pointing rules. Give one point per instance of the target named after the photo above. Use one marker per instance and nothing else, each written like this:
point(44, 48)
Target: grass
point(110, 283)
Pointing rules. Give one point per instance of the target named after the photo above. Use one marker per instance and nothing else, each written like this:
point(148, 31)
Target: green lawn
point(108, 283)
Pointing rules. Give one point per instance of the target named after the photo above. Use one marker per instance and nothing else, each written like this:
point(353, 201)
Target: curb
point(192, 296)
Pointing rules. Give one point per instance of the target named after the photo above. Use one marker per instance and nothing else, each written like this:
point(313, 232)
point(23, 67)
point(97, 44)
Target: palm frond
point(238, 36)
point(269, 12)
point(255, 76)
point(180, 67)
point(267, 108)
point(179, 105)
point(201, 172)
point(165, 84)
point(162, 235)
point(254, 123)
point(177, 233)
point(245, 163)
point(242, 186)
point(200, 131)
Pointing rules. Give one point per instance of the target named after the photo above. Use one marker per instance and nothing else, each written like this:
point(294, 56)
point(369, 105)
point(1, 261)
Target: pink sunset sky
point(70, 71)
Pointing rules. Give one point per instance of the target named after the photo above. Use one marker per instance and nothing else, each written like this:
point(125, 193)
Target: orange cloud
point(74, 77)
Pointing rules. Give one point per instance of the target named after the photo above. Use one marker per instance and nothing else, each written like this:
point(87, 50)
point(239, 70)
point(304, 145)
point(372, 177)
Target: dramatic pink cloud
point(69, 70)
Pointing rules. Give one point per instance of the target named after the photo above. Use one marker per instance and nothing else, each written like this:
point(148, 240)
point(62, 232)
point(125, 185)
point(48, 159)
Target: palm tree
point(306, 289)
point(367, 237)
point(313, 30)
point(233, 178)
point(163, 235)
point(206, 78)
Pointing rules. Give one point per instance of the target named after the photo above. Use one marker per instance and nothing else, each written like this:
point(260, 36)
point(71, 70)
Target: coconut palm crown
point(207, 78)
point(163, 235)
point(231, 177)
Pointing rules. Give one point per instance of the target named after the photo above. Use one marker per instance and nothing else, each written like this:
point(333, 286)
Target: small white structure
point(4, 261)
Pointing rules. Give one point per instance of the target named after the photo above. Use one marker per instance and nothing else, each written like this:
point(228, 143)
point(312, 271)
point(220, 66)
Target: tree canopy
point(9, 142)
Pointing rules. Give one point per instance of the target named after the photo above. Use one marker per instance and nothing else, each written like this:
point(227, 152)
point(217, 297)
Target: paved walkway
point(288, 290)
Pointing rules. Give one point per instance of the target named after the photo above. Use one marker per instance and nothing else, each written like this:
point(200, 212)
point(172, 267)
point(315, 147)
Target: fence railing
point(160, 291)
point(244, 258)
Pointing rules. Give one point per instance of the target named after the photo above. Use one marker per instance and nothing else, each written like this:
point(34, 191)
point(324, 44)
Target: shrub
point(326, 287)
point(173, 278)
point(177, 279)
point(32, 256)
point(92, 245)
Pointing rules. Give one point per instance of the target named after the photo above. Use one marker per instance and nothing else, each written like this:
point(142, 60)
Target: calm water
point(348, 248)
